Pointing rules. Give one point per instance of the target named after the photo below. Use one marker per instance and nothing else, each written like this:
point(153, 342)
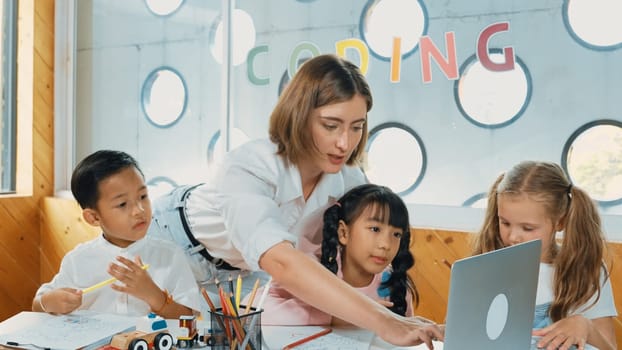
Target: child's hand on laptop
point(564, 333)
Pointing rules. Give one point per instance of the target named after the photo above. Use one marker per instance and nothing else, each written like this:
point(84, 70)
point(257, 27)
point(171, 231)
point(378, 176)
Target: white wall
point(119, 42)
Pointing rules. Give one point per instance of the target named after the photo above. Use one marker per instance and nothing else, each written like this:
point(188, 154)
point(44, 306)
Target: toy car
point(137, 340)
point(187, 340)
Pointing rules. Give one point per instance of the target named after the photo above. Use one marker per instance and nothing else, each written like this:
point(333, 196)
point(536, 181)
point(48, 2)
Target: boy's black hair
point(349, 207)
point(93, 169)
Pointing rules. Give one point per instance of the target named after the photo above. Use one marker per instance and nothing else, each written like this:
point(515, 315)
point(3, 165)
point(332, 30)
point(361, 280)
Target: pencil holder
point(230, 332)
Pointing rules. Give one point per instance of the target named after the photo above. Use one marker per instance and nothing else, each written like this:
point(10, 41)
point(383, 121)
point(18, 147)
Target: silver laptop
point(492, 299)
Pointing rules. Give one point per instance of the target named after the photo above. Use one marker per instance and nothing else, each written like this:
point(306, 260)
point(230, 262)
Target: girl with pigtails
point(366, 240)
point(574, 302)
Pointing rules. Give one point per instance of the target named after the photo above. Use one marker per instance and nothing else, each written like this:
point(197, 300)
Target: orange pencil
point(307, 339)
point(212, 307)
point(225, 311)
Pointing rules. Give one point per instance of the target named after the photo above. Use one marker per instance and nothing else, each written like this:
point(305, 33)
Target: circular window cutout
point(595, 24)
point(242, 37)
point(164, 97)
point(592, 157)
point(163, 7)
point(283, 82)
point(285, 77)
point(492, 99)
point(384, 20)
point(479, 200)
point(216, 149)
point(385, 157)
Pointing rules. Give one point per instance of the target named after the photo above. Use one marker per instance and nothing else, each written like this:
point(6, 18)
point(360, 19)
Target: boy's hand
point(135, 281)
point(61, 300)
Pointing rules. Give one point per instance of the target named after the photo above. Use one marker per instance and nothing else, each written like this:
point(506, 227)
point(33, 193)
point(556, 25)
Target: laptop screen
point(492, 299)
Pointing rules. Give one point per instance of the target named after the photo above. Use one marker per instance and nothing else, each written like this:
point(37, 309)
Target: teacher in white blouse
point(262, 209)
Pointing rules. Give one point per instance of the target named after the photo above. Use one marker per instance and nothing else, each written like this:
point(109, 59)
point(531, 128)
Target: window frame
point(9, 110)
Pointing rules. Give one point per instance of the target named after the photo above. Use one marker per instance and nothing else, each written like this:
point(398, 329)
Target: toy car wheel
point(138, 344)
point(163, 341)
point(183, 344)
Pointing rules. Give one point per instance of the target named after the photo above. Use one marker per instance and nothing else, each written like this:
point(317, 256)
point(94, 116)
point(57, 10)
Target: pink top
point(283, 309)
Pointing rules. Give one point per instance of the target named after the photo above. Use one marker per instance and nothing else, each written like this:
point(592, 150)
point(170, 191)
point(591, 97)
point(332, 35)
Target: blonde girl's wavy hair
point(320, 81)
point(580, 259)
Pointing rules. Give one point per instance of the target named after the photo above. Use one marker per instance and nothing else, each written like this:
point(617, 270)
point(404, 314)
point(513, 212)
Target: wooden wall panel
point(62, 228)
point(435, 251)
point(19, 215)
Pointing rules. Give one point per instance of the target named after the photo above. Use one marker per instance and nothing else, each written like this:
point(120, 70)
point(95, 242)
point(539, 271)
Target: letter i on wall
point(396, 60)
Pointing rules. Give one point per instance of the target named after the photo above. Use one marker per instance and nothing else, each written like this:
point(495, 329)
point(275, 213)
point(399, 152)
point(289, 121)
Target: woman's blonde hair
point(321, 81)
point(579, 262)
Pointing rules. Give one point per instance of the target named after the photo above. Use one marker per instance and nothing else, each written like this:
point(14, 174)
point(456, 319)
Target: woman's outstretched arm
point(311, 282)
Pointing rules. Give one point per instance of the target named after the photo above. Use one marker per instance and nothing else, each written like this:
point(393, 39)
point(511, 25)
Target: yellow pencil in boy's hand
point(106, 282)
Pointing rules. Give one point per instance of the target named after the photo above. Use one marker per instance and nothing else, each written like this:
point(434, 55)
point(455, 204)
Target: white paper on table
point(276, 337)
point(77, 330)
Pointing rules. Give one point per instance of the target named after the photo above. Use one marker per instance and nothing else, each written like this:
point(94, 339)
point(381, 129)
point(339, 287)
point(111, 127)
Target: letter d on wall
point(354, 44)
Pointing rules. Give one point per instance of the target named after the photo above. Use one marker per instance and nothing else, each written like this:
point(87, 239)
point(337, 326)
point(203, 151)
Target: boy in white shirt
point(151, 275)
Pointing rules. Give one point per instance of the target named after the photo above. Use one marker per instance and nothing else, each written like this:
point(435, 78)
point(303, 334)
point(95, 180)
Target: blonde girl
point(574, 303)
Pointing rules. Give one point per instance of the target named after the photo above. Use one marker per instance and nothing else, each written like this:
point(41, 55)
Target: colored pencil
point(252, 297)
point(231, 312)
point(212, 308)
point(237, 325)
point(254, 319)
point(106, 282)
point(307, 339)
point(223, 303)
point(238, 292)
point(231, 291)
point(264, 294)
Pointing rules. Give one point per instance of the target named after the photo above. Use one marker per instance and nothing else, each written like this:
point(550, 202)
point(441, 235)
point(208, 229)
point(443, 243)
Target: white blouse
point(254, 201)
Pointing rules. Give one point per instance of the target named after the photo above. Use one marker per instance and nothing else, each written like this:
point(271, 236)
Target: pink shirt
point(282, 308)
